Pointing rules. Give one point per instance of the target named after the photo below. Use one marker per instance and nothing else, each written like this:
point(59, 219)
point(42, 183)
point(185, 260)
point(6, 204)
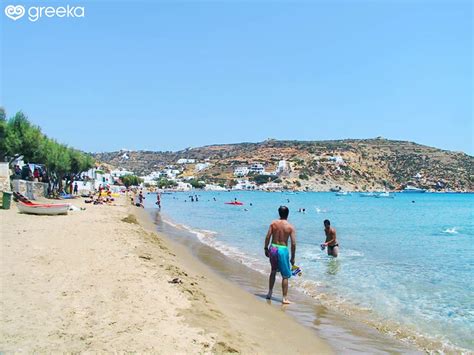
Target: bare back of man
point(279, 232)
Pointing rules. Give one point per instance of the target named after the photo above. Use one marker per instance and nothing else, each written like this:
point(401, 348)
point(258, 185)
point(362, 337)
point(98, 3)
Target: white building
point(170, 173)
point(151, 178)
point(336, 159)
point(121, 172)
point(245, 185)
point(210, 187)
point(257, 168)
point(282, 166)
point(202, 166)
point(84, 186)
point(241, 171)
point(186, 161)
point(103, 179)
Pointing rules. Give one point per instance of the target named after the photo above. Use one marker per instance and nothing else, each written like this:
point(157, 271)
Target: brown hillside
point(370, 164)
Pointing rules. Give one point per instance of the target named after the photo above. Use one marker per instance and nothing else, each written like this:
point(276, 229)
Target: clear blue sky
point(165, 75)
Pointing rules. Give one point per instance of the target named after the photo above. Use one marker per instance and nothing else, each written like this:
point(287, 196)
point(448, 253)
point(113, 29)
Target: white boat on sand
point(42, 208)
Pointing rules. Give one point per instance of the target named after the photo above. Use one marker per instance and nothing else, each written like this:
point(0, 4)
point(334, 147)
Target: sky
point(166, 75)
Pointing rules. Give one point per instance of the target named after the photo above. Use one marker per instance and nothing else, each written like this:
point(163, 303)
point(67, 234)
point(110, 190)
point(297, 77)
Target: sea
point(405, 265)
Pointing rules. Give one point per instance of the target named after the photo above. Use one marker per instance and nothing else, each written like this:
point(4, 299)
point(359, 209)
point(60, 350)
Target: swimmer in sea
point(331, 240)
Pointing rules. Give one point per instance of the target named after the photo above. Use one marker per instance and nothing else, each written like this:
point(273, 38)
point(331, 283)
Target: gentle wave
point(209, 238)
point(453, 230)
point(321, 210)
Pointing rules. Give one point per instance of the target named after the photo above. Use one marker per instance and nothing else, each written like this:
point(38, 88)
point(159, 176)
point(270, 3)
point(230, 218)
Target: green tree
point(19, 136)
point(263, 179)
point(197, 184)
point(131, 180)
point(164, 183)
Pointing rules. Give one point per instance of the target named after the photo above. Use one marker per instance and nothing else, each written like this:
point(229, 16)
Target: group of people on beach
point(102, 196)
point(276, 249)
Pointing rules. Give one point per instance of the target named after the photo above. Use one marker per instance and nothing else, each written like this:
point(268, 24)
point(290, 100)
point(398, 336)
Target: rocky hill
point(353, 164)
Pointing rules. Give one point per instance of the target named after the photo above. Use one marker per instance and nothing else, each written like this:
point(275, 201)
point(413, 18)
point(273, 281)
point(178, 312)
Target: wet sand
point(97, 281)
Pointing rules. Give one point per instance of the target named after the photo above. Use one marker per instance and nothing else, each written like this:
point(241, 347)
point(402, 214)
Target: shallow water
point(405, 268)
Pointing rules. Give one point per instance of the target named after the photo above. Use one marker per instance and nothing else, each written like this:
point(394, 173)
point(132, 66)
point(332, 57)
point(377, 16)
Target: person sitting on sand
point(99, 201)
point(331, 240)
point(279, 232)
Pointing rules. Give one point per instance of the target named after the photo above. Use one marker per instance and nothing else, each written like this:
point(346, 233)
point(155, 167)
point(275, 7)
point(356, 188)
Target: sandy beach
point(102, 280)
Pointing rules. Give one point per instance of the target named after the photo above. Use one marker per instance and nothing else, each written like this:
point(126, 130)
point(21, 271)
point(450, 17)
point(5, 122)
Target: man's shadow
point(269, 301)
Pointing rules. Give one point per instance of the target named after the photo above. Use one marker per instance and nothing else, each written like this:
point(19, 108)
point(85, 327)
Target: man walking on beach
point(279, 232)
point(331, 240)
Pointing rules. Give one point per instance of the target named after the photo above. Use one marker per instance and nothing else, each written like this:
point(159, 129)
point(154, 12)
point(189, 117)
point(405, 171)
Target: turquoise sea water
point(405, 264)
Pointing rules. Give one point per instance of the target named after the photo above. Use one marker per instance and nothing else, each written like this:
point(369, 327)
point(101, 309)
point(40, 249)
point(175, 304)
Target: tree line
point(18, 136)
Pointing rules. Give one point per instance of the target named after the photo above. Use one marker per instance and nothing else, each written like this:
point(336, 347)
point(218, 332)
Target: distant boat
point(343, 193)
point(384, 194)
point(235, 203)
point(43, 209)
point(412, 189)
point(367, 194)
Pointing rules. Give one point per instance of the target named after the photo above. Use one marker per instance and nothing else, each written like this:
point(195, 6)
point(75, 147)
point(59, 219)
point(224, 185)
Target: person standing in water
point(331, 240)
point(279, 232)
point(158, 200)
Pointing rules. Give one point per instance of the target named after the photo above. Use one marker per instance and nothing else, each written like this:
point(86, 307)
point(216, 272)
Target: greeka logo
point(16, 12)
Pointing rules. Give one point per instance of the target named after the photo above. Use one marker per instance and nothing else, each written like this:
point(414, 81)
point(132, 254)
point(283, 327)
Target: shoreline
point(219, 256)
point(342, 331)
point(90, 281)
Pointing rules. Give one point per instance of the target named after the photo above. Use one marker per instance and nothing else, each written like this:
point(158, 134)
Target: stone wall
point(4, 177)
point(30, 189)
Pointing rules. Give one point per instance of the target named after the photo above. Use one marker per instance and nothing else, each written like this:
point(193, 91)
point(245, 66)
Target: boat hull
point(46, 209)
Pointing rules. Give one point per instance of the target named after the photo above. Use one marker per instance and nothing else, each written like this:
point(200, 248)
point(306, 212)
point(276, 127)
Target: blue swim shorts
point(280, 260)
